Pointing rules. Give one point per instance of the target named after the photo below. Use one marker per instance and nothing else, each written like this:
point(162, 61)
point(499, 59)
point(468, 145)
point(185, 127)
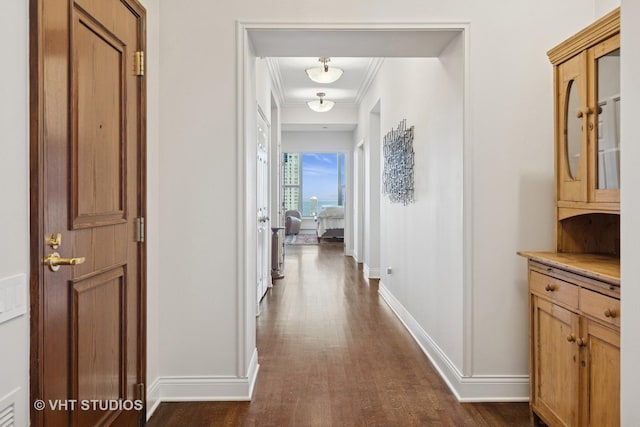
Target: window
point(313, 181)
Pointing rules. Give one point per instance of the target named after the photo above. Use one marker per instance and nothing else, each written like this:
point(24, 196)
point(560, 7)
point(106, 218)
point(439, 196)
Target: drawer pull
point(581, 342)
point(571, 338)
point(550, 288)
point(611, 313)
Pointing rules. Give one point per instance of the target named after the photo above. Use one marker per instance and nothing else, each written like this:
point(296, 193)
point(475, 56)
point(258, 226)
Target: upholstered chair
point(292, 222)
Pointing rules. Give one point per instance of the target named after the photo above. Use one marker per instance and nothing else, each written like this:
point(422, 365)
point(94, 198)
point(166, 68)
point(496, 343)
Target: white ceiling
point(359, 52)
point(293, 86)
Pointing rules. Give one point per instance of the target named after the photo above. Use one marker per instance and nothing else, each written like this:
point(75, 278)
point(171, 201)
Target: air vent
point(8, 410)
point(7, 416)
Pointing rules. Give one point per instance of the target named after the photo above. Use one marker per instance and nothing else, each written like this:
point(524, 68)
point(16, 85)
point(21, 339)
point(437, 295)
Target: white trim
point(153, 397)
point(372, 71)
point(203, 388)
point(356, 26)
point(467, 213)
point(276, 80)
point(370, 273)
point(479, 388)
point(242, 290)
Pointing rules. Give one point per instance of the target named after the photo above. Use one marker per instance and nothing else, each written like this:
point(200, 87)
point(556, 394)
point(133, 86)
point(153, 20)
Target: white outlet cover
point(13, 297)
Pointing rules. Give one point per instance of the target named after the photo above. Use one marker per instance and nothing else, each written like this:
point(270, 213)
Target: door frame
point(245, 266)
point(37, 202)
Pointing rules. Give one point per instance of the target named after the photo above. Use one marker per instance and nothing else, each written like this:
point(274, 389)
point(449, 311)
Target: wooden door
point(600, 361)
point(262, 202)
point(555, 393)
point(87, 173)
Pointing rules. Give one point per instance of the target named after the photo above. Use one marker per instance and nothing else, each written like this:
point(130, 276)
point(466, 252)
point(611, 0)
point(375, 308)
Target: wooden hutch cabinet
point(574, 292)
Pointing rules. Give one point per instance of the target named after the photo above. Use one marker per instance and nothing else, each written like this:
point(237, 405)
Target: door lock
point(54, 240)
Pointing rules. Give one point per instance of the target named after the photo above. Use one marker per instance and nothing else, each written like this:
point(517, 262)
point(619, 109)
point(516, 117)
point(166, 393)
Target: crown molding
point(601, 29)
point(369, 76)
point(276, 79)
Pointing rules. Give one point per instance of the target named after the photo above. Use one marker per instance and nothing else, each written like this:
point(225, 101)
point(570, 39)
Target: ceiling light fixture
point(320, 105)
point(324, 74)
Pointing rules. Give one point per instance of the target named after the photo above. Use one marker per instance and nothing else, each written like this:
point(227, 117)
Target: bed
point(331, 223)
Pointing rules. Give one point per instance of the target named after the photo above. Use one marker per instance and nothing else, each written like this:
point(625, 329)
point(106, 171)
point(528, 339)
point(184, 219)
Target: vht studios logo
point(88, 405)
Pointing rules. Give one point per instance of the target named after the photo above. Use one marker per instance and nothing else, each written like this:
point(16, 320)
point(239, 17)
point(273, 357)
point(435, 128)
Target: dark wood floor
point(332, 353)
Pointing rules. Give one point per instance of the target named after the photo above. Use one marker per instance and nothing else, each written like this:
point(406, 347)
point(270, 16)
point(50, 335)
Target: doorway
point(266, 40)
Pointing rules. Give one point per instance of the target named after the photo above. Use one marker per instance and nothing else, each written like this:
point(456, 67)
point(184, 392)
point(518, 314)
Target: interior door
point(88, 256)
point(262, 201)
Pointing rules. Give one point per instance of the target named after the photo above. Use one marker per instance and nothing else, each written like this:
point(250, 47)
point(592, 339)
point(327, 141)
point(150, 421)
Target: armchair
point(292, 222)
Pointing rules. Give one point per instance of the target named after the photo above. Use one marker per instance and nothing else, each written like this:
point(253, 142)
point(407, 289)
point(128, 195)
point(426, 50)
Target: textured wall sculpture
point(398, 164)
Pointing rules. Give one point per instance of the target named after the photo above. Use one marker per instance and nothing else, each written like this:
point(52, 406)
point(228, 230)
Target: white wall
point(422, 242)
point(509, 167)
point(372, 178)
point(302, 115)
point(602, 7)
point(14, 207)
point(316, 141)
point(630, 211)
point(194, 327)
point(197, 207)
point(152, 223)
point(510, 136)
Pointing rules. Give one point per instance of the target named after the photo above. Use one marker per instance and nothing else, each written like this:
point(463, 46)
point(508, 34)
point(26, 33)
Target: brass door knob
point(54, 261)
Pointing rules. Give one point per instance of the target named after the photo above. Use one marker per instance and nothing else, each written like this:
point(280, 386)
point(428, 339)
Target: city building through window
point(313, 181)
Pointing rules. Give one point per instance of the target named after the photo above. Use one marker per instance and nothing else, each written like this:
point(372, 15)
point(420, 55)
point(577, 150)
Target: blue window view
point(313, 181)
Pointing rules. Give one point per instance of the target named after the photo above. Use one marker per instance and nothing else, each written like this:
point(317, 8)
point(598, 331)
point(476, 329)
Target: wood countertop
point(597, 266)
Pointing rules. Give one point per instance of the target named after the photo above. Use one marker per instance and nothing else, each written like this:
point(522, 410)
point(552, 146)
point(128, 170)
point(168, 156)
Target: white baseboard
point(153, 397)
point(475, 388)
point(370, 273)
point(202, 388)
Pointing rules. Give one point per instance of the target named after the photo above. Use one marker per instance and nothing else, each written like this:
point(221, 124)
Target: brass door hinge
point(138, 63)
point(141, 392)
point(140, 229)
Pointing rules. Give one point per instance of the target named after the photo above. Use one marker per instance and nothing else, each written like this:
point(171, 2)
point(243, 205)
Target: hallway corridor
point(332, 353)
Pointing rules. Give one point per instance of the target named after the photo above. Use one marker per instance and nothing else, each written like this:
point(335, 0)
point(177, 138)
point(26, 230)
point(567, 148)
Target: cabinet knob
point(571, 338)
point(550, 288)
point(612, 313)
point(581, 342)
point(583, 111)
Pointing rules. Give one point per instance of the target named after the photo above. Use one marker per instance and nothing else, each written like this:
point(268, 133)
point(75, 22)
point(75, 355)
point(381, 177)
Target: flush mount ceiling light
point(324, 74)
point(320, 105)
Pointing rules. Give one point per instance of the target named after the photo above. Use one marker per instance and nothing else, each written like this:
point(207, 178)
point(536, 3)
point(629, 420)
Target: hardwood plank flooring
point(332, 353)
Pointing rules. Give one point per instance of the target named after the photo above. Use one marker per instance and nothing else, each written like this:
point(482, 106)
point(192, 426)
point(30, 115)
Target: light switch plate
point(13, 297)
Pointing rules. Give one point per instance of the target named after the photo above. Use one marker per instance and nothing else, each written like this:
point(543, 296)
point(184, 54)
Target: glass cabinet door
point(605, 128)
point(572, 120)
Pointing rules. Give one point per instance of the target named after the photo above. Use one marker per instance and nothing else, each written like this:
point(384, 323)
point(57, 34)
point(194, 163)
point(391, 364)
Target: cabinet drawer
point(600, 306)
point(553, 289)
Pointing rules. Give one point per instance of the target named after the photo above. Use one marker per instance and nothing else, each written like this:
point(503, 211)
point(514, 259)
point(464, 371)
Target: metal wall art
point(398, 164)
